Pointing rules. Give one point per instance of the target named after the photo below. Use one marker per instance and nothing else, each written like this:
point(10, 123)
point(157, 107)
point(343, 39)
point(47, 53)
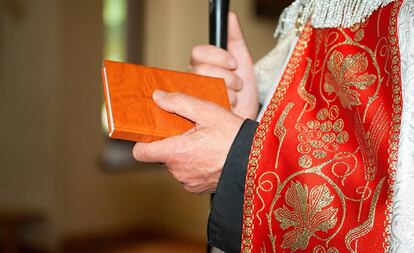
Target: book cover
point(131, 112)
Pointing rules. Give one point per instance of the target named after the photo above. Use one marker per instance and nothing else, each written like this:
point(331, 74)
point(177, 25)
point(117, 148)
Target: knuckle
point(197, 51)
point(223, 57)
point(179, 176)
point(191, 189)
point(199, 69)
point(187, 188)
point(232, 81)
point(209, 54)
point(193, 184)
point(207, 70)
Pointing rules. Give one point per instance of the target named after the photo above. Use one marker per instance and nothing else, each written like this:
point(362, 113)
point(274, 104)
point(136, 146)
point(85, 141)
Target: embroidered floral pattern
point(308, 215)
point(347, 72)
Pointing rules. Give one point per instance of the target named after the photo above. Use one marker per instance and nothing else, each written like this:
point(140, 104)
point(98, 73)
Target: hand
point(196, 157)
point(234, 65)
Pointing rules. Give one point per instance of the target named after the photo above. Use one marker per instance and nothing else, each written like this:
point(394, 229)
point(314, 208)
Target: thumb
point(192, 108)
point(236, 43)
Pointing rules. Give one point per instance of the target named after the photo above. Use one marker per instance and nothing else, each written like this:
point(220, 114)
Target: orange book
point(133, 115)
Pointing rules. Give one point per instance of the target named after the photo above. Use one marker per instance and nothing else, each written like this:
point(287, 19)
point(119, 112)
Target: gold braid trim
point(395, 118)
point(263, 128)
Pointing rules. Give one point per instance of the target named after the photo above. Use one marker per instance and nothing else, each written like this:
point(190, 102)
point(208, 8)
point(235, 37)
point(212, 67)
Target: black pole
point(219, 10)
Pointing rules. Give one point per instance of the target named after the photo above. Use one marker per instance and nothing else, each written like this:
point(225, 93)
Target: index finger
point(208, 54)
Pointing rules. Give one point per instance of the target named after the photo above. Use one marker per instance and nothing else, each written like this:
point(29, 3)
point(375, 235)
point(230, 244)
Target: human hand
point(234, 65)
point(196, 157)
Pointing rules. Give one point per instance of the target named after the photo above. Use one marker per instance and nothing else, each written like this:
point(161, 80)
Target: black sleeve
point(225, 221)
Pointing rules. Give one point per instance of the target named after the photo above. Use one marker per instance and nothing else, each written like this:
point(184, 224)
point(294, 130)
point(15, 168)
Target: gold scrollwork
point(264, 185)
point(365, 227)
point(303, 93)
point(342, 170)
point(280, 129)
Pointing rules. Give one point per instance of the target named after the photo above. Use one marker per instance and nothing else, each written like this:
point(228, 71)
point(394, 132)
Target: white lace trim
point(326, 13)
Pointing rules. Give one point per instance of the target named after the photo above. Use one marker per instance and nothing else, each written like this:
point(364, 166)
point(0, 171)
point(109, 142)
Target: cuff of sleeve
point(225, 221)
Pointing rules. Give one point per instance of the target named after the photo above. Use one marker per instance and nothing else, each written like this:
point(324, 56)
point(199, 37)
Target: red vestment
point(323, 159)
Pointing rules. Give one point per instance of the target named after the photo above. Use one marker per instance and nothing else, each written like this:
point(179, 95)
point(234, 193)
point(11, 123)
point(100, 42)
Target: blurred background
point(64, 187)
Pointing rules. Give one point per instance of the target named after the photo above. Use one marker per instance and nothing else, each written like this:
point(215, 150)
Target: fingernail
point(158, 95)
point(232, 63)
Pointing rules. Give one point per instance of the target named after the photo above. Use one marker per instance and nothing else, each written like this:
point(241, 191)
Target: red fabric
point(321, 168)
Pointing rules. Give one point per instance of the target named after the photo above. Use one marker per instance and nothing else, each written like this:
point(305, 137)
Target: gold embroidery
point(358, 26)
point(365, 227)
point(322, 114)
point(346, 72)
point(310, 214)
point(320, 136)
point(263, 249)
point(359, 35)
point(326, 126)
point(396, 119)
point(355, 27)
point(305, 161)
point(280, 130)
point(381, 50)
point(329, 137)
point(304, 148)
point(369, 141)
point(260, 135)
point(313, 124)
point(319, 153)
point(359, 31)
point(321, 249)
point(333, 112)
point(337, 128)
point(342, 170)
point(264, 185)
point(303, 93)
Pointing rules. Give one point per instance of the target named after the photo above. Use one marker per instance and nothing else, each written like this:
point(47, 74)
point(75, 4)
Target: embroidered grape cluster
point(321, 136)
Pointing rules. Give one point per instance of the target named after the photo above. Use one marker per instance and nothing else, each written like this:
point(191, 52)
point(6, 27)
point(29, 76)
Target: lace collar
point(326, 13)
